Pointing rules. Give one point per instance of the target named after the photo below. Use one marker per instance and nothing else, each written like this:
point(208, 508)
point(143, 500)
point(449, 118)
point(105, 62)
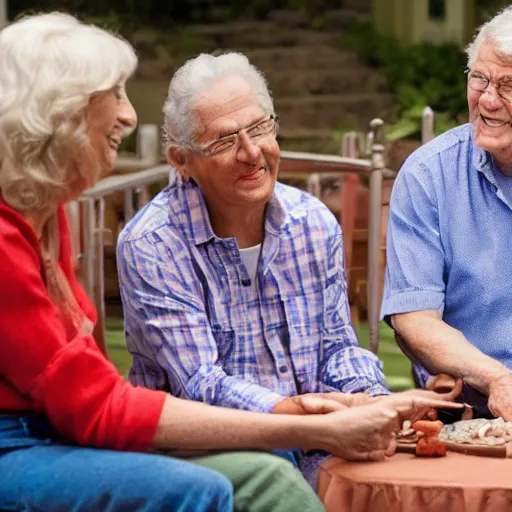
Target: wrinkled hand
point(445, 384)
point(368, 432)
point(351, 399)
point(500, 396)
point(310, 403)
point(421, 396)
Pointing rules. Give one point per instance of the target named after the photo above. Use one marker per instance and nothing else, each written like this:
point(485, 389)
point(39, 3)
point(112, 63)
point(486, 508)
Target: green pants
point(263, 482)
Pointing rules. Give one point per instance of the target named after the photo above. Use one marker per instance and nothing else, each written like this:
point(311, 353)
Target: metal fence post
point(374, 233)
point(427, 125)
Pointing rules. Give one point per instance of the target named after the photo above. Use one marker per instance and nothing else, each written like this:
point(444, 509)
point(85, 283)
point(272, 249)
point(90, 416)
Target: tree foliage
point(160, 12)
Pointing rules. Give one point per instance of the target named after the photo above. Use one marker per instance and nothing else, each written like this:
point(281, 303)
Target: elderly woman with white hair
point(447, 291)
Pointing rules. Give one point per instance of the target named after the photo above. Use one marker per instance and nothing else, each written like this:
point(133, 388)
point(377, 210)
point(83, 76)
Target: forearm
point(189, 425)
point(213, 386)
point(443, 349)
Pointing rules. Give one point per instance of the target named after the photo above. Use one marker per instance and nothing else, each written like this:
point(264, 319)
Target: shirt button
point(283, 369)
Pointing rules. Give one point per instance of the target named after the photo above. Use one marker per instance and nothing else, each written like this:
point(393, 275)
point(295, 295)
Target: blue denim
point(289, 455)
point(38, 473)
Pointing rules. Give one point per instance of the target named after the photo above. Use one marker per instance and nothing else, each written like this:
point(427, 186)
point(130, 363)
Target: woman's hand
point(368, 432)
point(309, 403)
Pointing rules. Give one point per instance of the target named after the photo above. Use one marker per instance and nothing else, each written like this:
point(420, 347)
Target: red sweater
point(48, 368)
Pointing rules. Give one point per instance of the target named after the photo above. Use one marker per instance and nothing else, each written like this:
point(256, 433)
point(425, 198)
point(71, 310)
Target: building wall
point(410, 22)
point(3, 13)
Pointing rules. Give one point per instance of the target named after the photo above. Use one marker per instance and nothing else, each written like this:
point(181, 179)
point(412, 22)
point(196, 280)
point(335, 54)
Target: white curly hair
point(196, 75)
point(498, 31)
point(50, 65)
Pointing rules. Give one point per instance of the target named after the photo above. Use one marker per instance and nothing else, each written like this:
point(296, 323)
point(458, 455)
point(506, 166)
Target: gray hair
point(497, 31)
point(50, 65)
point(196, 75)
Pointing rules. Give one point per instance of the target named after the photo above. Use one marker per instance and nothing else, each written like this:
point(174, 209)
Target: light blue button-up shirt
point(449, 242)
point(197, 327)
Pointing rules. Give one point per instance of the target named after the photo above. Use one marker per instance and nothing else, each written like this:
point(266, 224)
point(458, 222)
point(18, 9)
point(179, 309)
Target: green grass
point(117, 346)
point(397, 367)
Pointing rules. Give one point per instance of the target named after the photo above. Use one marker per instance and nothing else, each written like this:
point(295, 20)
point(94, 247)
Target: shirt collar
point(199, 224)
point(277, 213)
point(482, 162)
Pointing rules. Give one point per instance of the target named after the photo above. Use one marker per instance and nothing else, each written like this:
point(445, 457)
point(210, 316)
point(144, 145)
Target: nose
point(127, 116)
point(490, 98)
point(248, 150)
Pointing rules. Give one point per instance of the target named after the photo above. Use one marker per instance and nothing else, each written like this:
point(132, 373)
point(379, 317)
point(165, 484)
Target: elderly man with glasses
point(233, 285)
point(448, 290)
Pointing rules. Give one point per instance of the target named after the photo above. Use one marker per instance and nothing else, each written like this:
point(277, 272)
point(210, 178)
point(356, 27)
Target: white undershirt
point(250, 258)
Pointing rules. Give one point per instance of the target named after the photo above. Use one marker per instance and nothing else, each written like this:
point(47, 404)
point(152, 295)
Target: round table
point(406, 483)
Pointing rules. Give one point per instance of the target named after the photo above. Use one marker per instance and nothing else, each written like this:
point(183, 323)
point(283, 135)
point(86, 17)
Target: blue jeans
point(38, 473)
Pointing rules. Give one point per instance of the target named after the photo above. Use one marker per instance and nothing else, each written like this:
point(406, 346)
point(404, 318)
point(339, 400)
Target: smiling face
point(110, 118)
point(490, 114)
point(245, 176)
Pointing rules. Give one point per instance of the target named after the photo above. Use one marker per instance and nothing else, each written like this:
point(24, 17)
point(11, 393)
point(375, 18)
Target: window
point(436, 9)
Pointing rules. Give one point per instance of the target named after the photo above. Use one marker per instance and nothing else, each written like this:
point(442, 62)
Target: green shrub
point(420, 75)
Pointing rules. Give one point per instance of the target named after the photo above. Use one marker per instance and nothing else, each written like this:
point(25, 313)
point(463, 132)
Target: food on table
point(407, 435)
point(481, 431)
point(491, 438)
point(429, 445)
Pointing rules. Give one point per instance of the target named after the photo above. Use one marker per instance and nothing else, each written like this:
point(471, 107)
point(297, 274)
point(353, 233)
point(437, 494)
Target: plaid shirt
point(195, 326)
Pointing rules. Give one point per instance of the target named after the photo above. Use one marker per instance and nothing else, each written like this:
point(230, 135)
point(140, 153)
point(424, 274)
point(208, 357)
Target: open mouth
point(114, 142)
point(493, 123)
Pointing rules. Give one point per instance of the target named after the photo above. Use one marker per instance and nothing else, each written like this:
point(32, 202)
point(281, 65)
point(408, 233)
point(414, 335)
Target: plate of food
point(491, 438)
point(483, 437)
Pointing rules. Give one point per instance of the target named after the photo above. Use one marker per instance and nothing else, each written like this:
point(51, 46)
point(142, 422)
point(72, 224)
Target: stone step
point(330, 112)
point(364, 6)
point(325, 81)
point(314, 57)
point(259, 34)
point(337, 20)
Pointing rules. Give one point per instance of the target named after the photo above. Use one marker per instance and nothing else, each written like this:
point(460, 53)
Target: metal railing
point(92, 225)
point(295, 162)
point(92, 213)
point(427, 125)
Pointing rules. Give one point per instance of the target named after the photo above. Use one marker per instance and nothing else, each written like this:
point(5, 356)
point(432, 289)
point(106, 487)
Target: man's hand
point(322, 403)
point(500, 396)
point(443, 383)
point(351, 399)
point(310, 403)
point(368, 432)
point(440, 387)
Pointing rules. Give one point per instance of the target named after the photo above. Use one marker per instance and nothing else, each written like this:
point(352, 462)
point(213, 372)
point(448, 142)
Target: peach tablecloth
point(405, 483)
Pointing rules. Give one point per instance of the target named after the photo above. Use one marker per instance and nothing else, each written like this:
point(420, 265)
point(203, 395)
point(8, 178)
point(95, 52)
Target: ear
point(178, 159)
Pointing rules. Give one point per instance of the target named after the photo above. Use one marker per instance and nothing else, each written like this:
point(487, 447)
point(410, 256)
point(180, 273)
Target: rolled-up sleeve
point(64, 374)
point(414, 279)
point(345, 366)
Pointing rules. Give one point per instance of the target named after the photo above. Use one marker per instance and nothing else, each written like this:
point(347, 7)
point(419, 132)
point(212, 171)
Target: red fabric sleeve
point(70, 380)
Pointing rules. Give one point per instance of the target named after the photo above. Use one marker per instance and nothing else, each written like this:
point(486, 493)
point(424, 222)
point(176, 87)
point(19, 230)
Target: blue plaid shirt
point(196, 327)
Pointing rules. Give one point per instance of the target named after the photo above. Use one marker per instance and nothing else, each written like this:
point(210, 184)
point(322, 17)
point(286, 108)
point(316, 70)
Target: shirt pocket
point(224, 339)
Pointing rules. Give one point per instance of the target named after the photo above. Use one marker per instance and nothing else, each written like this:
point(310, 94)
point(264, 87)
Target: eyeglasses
point(479, 82)
point(256, 132)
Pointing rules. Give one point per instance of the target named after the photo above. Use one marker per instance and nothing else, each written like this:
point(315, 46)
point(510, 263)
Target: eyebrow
point(504, 80)
point(225, 134)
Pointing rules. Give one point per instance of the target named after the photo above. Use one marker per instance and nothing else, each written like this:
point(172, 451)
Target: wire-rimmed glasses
point(256, 132)
point(479, 82)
